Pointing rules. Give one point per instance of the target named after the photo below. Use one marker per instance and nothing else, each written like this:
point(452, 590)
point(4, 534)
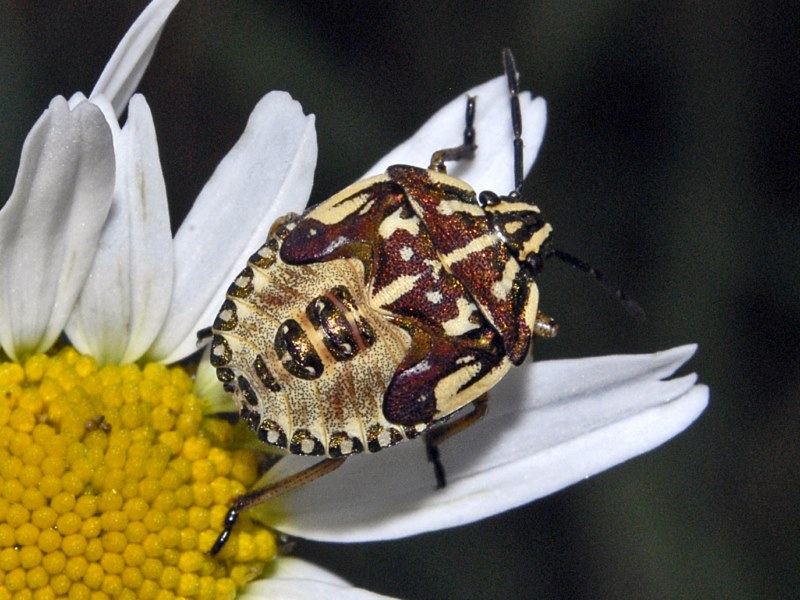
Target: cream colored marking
point(436, 268)
point(367, 207)
point(345, 203)
point(505, 207)
point(501, 289)
point(406, 253)
point(445, 179)
point(225, 315)
point(450, 385)
point(272, 436)
point(219, 350)
point(394, 291)
point(335, 211)
point(512, 227)
point(307, 446)
point(384, 438)
point(434, 297)
point(460, 324)
point(313, 231)
point(451, 207)
point(465, 360)
point(476, 245)
point(395, 222)
point(346, 446)
point(534, 243)
point(242, 281)
point(447, 406)
point(532, 308)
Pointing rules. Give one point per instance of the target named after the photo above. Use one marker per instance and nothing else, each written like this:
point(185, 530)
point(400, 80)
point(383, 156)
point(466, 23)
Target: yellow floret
point(112, 482)
point(29, 475)
point(44, 517)
point(50, 486)
point(9, 559)
point(29, 557)
point(49, 540)
point(93, 576)
point(54, 562)
point(17, 515)
point(94, 550)
point(132, 578)
point(7, 535)
point(74, 545)
point(112, 587)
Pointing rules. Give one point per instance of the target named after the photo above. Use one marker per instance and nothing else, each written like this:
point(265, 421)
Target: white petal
point(549, 425)
point(129, 61)
point(209, 388)
point(493, 165)
point(268, 173)
point(125, 300)
point(50, 226)
point(294, 579)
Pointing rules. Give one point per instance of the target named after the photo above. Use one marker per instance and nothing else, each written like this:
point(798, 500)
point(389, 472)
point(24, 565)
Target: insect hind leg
point(465, 150)
point(263, 494)
point(434, 437)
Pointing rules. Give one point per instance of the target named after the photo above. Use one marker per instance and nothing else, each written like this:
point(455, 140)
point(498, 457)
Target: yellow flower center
point(112, 480)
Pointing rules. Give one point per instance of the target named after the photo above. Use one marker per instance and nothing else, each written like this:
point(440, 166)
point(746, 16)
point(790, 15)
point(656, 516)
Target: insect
point(377, 315)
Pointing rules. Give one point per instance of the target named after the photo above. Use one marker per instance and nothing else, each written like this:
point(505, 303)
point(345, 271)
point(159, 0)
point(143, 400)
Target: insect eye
point(488, 198)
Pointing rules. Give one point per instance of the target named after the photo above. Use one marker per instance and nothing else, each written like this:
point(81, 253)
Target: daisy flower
point(115, 475)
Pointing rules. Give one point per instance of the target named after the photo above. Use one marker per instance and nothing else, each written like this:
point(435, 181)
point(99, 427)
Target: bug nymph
point(380, 313)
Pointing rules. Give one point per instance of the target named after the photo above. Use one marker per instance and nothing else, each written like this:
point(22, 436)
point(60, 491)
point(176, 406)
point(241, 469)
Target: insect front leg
point(467, 147)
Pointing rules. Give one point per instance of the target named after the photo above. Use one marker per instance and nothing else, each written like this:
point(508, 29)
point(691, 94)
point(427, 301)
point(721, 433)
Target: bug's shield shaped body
point(386, 308)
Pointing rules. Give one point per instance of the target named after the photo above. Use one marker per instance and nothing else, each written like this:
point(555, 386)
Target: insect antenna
point(629, 304)
point(516, 117)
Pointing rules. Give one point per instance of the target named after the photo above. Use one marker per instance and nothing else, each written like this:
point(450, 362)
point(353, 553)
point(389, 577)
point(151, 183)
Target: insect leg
point(465, 150)
point(204, 337)
point(436, 436)
point(545, 326)
point(260, 495)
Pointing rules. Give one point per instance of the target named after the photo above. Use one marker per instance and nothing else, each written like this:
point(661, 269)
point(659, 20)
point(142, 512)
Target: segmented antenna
point(516, 117)
point(629, 304)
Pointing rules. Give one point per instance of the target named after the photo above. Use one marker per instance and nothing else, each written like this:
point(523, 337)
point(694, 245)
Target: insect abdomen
point(306, 357)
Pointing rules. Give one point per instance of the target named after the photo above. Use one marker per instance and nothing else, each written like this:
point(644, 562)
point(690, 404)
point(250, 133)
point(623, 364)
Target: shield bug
point(378, 314)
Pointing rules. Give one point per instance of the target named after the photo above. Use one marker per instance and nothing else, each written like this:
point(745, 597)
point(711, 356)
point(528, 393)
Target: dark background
point(670, 161)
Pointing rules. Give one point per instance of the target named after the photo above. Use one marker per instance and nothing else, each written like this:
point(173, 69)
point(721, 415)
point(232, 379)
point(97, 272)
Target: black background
point(670, 161)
